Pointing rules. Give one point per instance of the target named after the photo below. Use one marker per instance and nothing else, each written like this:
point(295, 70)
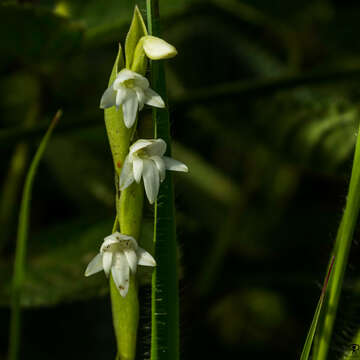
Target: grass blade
point(310, 336)
point(165, 297)
point(341, 252)
point(21, 243)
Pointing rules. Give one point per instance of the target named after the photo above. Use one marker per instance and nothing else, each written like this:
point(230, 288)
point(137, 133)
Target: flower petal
point(141, 97)
point(122, 94)
point(120, 273)
point(130, 107)
point(126, 176)
point(95, 265)
point(122, 76)
point(131, 259)
point(108, 98)
point(174, 165)
point(156, 48)
point(159, 162)
point(152, 98)
point(157, 147)
point(145, 258)
point(141, 81)
point(140, 144)
point(151, 180)
point(137, 168)
point(107, 261)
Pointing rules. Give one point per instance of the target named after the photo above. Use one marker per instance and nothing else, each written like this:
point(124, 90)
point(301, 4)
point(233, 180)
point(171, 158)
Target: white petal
point(122, 94)
point(141, 97)
point(174, 165)
point(140, 144)
point(157, 147)
point(159, 162)
point(127, 74)
point(153, 98)
point(156, 48)
point(145, 258)
point(110, 241)
point(131, 259)
point(122, 76)
point(130, 107)
point(95, 265)
point(126, 176)
point(151, 180)
point(120, 273)
point(137, 168)
point(141, 81)
point(107, 261)
point(108, 98)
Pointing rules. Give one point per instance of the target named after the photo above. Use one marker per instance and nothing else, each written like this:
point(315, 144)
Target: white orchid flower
point(146, 159)
point(121, 254)
point(131, 91)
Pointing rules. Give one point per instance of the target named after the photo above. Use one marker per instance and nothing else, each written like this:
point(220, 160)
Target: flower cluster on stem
point(129, 92)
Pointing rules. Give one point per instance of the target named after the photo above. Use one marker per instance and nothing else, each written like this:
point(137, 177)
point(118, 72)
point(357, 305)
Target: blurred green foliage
point(264, 103)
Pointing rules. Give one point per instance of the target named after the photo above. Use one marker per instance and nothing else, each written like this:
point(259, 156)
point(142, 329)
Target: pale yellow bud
point(157, 49)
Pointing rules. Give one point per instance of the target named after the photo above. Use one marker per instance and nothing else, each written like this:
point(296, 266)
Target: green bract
point(136, 32)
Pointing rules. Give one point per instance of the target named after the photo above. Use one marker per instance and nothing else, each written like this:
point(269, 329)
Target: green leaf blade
point(21, 244)
point(136, 32)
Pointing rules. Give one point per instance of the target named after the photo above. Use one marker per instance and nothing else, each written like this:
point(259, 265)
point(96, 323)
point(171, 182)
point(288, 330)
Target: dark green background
point(264, 106)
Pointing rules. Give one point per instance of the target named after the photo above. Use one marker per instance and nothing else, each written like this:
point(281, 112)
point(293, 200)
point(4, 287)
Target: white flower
point(132, 91)
point(121, 254)
point(146, 160)
point(156, 48)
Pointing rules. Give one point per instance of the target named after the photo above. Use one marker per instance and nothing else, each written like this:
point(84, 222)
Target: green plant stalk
point(341, 252)
point(10, 192)
point(129, 203)
point(21, 245)
point(165, 297)
point(126, 310)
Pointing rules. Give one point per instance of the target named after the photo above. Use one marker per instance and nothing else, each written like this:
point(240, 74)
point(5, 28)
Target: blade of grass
point(341, 251)
point(165, 297)
point(21, 244)
point(310, 336)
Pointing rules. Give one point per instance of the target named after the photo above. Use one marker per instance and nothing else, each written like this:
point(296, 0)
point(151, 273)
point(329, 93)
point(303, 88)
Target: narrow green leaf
point(310, 336)
point(136, 32)
point(165, 296)
point(341, 252)
point(21, 244)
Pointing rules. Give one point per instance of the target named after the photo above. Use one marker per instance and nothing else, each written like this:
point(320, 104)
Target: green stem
point(10, 193)
point(165, 297)
point(21, 245)
point(341, 252)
